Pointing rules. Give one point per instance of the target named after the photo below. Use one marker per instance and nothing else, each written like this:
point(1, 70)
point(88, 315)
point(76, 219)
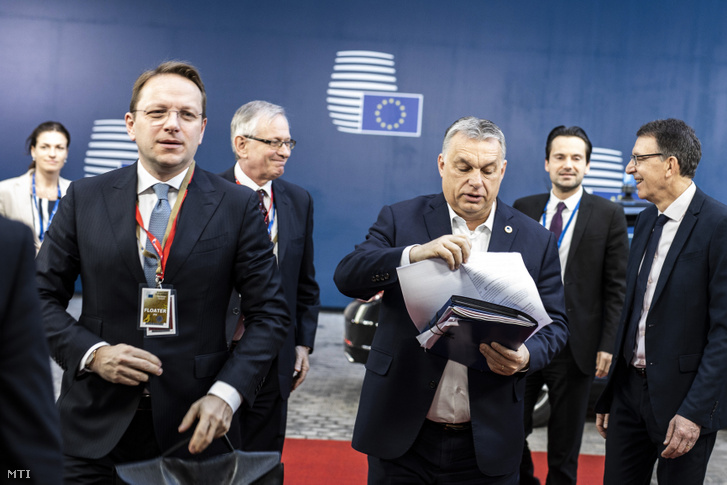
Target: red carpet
point(316, 462)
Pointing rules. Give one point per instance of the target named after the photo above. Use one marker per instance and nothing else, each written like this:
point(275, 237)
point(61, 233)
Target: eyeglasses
point(274, 143)
point(636, 159)
point(160, 115)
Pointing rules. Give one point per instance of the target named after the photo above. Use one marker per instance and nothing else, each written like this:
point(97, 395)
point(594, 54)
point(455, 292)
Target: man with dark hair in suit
point(665, 395)
point(261, 141)
point(593, 248)
point(423, 418)
point(30, 438)
point(165, 231)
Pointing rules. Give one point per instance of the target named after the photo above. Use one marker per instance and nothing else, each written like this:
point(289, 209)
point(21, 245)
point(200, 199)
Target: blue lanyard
point(40, 213)
point(570, 219)
point(271, 213)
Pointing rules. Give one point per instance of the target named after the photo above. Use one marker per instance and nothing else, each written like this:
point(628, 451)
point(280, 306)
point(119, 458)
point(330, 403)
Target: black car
point(361, 319)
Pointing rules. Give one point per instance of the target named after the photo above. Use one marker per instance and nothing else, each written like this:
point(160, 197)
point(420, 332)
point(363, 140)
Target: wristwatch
point(89, 361)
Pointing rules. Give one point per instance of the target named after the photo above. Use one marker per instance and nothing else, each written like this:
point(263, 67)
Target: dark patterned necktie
point(556, 225)
point(261, 205)
point(641, 282)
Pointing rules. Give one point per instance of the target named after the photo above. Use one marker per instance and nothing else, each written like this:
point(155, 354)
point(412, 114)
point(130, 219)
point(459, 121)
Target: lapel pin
point(508, 229)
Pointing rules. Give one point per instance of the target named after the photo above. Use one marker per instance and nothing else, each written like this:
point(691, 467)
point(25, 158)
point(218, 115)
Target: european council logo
point(363, 97)
point(605, 178)
point(110, 148)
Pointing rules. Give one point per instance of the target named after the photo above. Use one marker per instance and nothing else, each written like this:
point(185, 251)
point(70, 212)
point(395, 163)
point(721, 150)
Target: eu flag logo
point(396, 114)
point(364, 99)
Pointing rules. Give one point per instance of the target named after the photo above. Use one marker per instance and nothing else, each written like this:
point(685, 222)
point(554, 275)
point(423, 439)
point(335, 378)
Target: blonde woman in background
point(33, 197)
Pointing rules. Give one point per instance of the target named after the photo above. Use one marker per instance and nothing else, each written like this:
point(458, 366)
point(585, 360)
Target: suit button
point(235, 311)
point(432, 384)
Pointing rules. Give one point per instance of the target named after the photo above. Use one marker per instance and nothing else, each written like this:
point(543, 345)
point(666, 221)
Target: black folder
point(478, 321)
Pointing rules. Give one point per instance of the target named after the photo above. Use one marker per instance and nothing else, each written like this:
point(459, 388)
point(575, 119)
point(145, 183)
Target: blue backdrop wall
point(608, 66)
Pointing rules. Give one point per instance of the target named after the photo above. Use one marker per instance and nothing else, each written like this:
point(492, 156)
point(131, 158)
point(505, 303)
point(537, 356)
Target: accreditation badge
point(155, 308)
point(172, 329)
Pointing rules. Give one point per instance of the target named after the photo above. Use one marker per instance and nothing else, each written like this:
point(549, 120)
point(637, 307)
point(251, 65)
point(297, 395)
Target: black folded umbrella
point(234, 468)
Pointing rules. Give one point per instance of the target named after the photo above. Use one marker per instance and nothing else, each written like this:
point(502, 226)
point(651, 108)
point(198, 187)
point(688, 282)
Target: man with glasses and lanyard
point(665, 396)
point(593, 248)
point(147, 362)
point(261, 142)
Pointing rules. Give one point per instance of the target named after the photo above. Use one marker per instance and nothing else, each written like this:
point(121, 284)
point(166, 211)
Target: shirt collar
point(678, 208)
point(571, 202)
point(455, 219)
point(145, 180)
point(248, 182)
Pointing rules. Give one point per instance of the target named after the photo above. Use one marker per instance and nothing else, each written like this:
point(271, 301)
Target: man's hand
point(603, 363)
point(455, 250)
point(125, 364)
point(504, 361)
point(302, 365)
point(602, 424)
point(680, 437)
point(214, 415)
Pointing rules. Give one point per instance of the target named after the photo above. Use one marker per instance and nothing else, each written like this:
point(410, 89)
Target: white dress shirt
point(268, 200)
point(570, 205)
point(451, 403)
point(147, 199)
point(675, 212)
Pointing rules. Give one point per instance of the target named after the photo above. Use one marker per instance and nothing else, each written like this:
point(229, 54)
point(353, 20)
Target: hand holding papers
point(462, 323)
point(499, 278)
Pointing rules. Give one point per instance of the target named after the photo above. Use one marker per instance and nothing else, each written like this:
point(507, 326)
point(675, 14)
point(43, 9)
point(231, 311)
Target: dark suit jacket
point(220, 243)
point(30, 436)
point(686, 328)
point(401, 378)
point(595, 274)
point(294, 207)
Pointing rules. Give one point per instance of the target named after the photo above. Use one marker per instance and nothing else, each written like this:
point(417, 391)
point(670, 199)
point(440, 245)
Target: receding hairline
point(182, 69)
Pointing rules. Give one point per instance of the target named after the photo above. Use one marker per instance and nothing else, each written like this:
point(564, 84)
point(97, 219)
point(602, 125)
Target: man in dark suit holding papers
point(422, 418)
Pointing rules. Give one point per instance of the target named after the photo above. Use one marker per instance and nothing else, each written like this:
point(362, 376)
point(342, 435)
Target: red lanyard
point(165, 247)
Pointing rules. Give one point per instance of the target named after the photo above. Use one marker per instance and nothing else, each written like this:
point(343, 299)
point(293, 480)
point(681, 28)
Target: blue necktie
point(157, 226)
point(641, 282)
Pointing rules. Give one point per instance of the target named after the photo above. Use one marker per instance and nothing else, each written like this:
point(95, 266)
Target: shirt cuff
point(82, 365)
point(405, 255)
point(227, 393)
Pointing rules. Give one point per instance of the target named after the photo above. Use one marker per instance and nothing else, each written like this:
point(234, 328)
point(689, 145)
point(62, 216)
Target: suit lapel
point(229, 175)
point(638, 246)
point(285, 218)
point(503, 234)
point(197, 210)
point(685, 229)
point(120, 202)
point(585, 209)
point(436, 219)
point(536, 208)
point(26, 208)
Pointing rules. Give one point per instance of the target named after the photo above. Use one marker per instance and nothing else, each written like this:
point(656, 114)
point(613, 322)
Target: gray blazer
point(16, 204)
